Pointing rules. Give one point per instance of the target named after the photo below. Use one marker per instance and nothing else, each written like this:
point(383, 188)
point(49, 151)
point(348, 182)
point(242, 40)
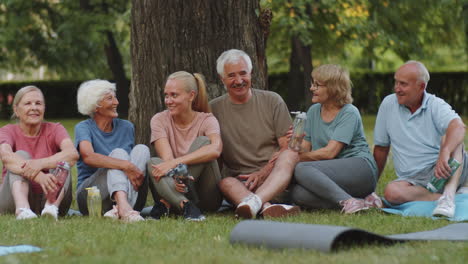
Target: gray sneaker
point(445, 207)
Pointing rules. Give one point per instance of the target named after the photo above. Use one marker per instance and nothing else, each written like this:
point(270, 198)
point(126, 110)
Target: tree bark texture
point(300, 68)
point(169, 36)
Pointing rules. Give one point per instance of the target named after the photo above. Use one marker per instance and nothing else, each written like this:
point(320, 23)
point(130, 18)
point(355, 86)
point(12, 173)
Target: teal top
point(346, 128)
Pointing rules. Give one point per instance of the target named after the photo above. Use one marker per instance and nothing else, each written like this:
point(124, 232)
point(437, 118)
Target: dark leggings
point(323, 184)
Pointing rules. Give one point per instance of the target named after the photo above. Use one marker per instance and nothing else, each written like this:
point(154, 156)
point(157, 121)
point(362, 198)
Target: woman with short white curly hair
point(90, 93)
point(109, 158)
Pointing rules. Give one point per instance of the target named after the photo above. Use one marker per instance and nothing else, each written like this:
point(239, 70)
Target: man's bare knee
point(392, 193)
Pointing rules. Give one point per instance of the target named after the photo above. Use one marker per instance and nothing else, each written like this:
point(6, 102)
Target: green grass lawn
point(171, 240)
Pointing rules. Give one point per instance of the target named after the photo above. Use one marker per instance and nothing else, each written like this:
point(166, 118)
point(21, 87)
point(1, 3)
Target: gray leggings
point(204, 190)
point(36, 200)
point(109, 181)
point(323, 184)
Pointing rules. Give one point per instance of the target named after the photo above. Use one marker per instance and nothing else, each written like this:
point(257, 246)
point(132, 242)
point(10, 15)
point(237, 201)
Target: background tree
point(306, 29)
point(74, 39)
point(169, 36)
point(359, 34)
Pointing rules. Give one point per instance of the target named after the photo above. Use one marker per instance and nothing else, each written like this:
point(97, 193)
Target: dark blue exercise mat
point(330, 238)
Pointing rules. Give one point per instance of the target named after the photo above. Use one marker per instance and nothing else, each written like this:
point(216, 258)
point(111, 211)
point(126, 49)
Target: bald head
point(418, 69)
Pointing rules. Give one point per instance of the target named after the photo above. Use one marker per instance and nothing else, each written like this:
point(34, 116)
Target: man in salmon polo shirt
point(257, 164)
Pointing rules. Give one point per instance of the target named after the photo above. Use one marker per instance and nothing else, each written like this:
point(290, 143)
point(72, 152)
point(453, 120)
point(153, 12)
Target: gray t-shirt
point(250, 131)
point(346, 128)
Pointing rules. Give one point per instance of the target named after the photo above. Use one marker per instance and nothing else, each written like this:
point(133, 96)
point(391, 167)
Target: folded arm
point(330, 151)
point(255, 179)
point(204, 154)
point(97, 160)
point(380, 156)
point(453, 137)
point(30, 168)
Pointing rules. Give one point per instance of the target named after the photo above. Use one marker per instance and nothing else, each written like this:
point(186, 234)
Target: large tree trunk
point(169, 36)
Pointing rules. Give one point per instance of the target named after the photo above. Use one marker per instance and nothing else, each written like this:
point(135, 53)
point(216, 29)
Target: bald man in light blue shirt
point(424, 133)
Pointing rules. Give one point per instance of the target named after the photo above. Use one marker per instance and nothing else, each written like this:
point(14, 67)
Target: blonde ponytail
point(200, 104)
point(194, 82)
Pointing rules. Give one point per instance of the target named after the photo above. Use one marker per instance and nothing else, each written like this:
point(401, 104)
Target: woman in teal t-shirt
point(336, 168)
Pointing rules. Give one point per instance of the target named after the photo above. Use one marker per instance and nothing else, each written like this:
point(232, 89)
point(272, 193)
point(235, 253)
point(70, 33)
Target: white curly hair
point(90, 93)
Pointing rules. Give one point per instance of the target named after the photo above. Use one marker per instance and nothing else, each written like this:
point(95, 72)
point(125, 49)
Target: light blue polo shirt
point(414, 138)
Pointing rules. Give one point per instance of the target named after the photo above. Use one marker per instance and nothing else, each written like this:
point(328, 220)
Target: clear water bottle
point(436, 184)
point(94, 202)
point(298, 131)
point(61, 173)
point(181, 174)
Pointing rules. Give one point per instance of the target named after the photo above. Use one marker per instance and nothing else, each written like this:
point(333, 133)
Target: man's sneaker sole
point(442, 213)
point(276, 210)
point(243, 211)
point(199, 219)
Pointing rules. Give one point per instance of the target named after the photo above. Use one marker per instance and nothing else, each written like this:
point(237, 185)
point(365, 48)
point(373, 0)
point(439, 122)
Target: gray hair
point(232, 56)
point(423, 73)
point(90, 93)
point(19, 95)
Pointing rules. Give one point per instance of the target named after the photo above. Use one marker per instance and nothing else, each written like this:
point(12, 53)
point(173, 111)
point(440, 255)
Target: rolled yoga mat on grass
point(326, 238)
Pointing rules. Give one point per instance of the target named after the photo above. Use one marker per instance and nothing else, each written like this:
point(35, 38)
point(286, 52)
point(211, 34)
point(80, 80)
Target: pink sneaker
point(373, 200)
point(112, 213)
point(353, 205)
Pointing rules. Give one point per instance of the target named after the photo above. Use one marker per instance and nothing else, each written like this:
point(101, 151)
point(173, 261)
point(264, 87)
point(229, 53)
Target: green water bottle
point(436, 184)
point(94, 202)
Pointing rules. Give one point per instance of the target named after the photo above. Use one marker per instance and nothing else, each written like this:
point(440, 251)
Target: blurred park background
point(57, 44)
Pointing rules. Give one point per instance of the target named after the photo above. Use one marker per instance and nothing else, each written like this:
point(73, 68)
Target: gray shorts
point(424, 176)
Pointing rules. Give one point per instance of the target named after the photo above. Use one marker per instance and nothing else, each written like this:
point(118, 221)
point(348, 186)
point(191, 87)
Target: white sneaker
point(249, 207)
point(112, 213)
point(25, 213)
point(445, 207)
point(50, 211)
